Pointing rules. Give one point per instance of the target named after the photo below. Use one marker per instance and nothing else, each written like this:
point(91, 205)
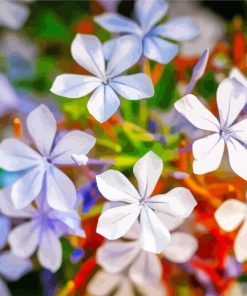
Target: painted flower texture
point(155, 40)
point(39, 168)
point(128, 205)
point(208, 151)
point(107, 83)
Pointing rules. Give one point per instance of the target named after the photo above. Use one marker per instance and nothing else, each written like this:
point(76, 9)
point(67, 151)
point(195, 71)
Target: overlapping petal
point(239, 131)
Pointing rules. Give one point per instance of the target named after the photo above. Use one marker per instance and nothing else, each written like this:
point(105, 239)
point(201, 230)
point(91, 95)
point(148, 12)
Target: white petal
point(80, 159)
point(177, 202)
point(116, 23)
point(13, 267)
point(50, 251)
point(133, 87)
point(149, 12)
point(231, 99)
point(115, 222)
point(181, 247)
point(103, 103)
point(178, 29)
point(240, 244)
point(147, 171)
point(4, 230)
point(115, 256)
point(240, 131)
point(154, 235)
point(237, 154)
point(230, 214)
point(126, 51)
point(235, 73)
point(133, 233)
point(42, 127)
point(171, 222)
point(146, 268)
point(4, 291)
point(193, 110)
point(103, 283)
point(87, 52)
point(154, 289)
point(61, 193)
point(17, 156)
point(108, 47)
point(27, 188)
point(12, 14)
point(114, 186)
point(208, 153)
point(74, 86)
point(8, 98)
point(125, 288)
point(74, 142)
point(24, 239)
point(159, 50)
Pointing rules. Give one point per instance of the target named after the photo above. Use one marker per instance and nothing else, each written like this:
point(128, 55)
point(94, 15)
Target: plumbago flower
point(8, 97)
point(208, 151)
point(148, 13)
point(41, 232)
point(230, 215)
point(116, 256)
point(107, 83)
point(40, 167)
point(154, 213)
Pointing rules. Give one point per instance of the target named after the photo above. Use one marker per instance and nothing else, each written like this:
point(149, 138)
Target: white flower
point(235, 73)
point(128, 205)
point(208, 151)
point(230, 215)
point(39, 167)
point(106, 82)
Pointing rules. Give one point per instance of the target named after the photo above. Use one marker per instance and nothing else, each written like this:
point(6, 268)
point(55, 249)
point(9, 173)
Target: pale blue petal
point(103, 103)
point(107, 48)
point(126, 51)
point(178, 29)
point(117, 23)
point(133, 87)
point(74, 86)
point(4, 230)
point(13, 267)
point(4, 291)
point(8, 97)
point(159, 50)
point(149, 12)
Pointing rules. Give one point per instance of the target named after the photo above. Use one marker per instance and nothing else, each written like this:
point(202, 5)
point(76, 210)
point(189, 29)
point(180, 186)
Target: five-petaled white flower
point(208, 151)
point(39, 167)
point(148, 14)
point(230, 215)
point(154, 213)
point(106, 83)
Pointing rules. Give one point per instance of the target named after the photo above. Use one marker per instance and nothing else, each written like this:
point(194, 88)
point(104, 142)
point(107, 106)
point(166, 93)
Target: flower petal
point(181, 247)
point(103, 283)
point(24, 239)
point(178, 29)
point(87, 52)
point(103, 103)
point(148, 13)
point(61, 193)
point(231, 99)
point(240, 131)
point(194, 111)
point(146, 268)
point(116, 23)
point(171, 222)
point(154, 289)
point(154, 235)
point(74, 142)
point(115, 222)
point(133, 87)
point(17, 156)
point(159, 50)
point(74, 86)
point(114, 186)
point(8, 97)
point(240, 244)
point(237, 153)
point(27, 188)
point(4, 291)
point(208, 153)
point(50, 251)
point(147, 171)
point(115, 256)
point(126, 51)
point(42, 128)
point(4, 230)
point(230, 214)
point(13, 267)
point(235, 73)
point(177, 202)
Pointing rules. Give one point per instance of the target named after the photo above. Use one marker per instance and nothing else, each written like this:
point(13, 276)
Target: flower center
point(225, 134)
